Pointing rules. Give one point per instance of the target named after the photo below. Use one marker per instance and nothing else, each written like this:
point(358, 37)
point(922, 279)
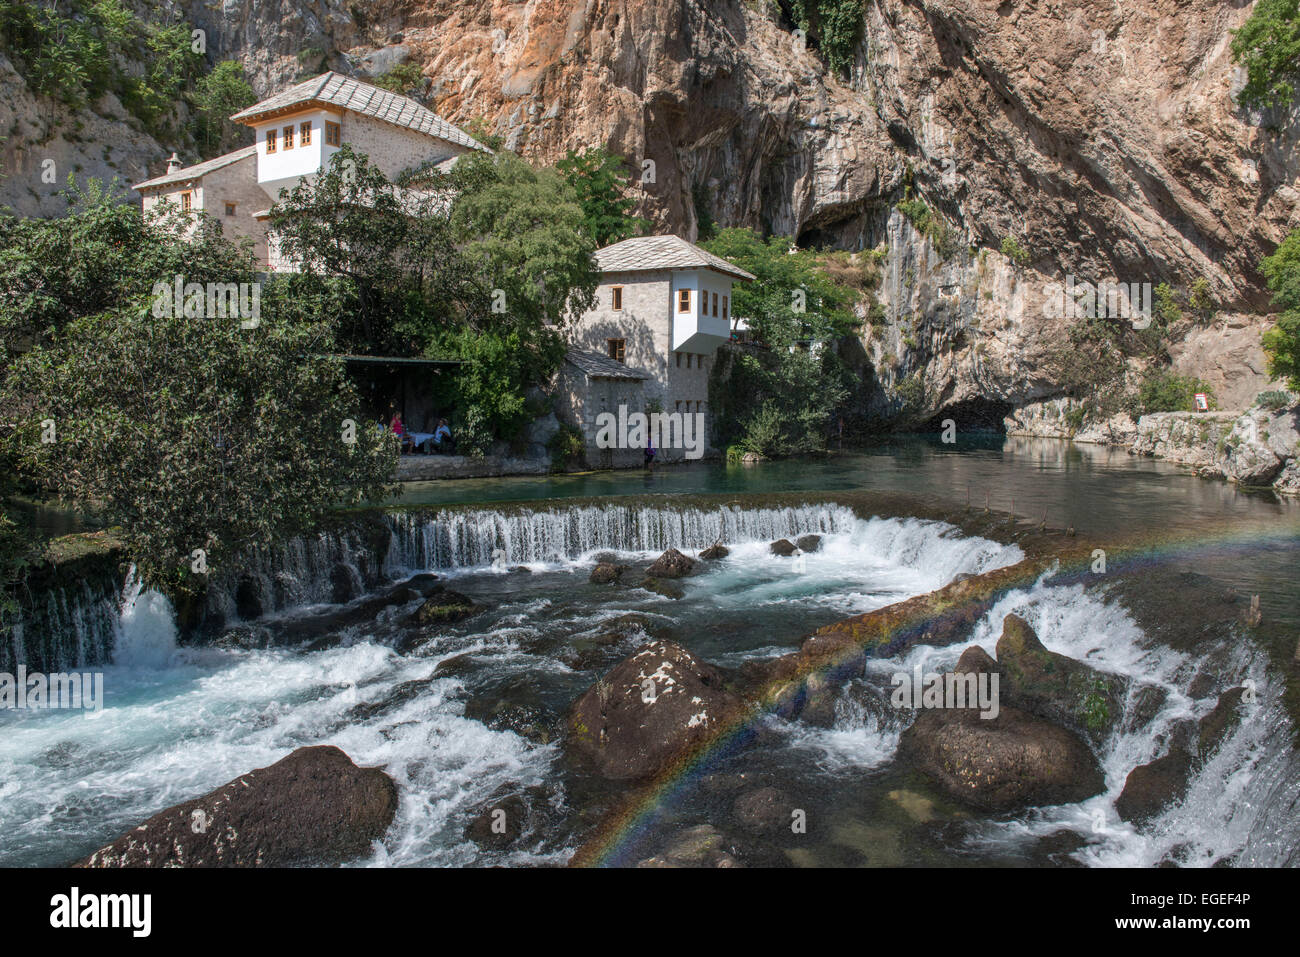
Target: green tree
point(218, 96)
point(1268, 46)
point(600, 181)
point(1282, 342)
point(392, 246)
point(835, 26)
point(780, 400)
point(196, 433)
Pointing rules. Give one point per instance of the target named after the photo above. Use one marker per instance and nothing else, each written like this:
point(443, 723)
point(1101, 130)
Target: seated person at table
point(442, 440)
point(399, 430)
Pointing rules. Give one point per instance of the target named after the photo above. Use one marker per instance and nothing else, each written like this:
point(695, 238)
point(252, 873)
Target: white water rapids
point(181, 721)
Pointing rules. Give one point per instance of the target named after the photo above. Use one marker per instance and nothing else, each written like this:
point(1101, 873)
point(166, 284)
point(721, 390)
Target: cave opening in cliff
point(972, 415)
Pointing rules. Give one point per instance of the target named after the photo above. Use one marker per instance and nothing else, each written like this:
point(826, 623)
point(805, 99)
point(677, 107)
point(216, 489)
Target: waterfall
point(462, 539)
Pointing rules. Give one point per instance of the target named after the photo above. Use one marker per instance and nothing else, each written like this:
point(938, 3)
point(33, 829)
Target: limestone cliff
point(1104, 137)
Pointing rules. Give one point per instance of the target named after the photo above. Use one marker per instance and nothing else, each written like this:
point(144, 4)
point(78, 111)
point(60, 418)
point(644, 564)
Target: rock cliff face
point(1104, 137)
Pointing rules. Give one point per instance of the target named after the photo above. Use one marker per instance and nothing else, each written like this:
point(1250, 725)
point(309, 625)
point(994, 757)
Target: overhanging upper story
point(689, 289)
point(299, 129)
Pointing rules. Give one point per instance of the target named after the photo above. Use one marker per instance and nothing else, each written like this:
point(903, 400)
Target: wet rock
point(976, 661)
point(1216, 725)
point(244, 638)
point(1057, 687)
point(606, 573)
point(782, 547)
point(345, 583)
point(397, 696)
point(513, 704)
point(647, 710)
point(520, 570)
point(700, 846)
point(715, 552)
point(499, 824)
point(764, 811)
point(809, 543)
point(457, 666)
point(442, 607)
point(250, 598)
point(1013, 761)
point(669, 589)
point(314, 807)
point(1152, 787)
point(514, 813)
point(671, 564)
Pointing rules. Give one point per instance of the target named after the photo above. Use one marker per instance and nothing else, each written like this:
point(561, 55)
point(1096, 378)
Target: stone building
point(296, 132)
point(663, 306)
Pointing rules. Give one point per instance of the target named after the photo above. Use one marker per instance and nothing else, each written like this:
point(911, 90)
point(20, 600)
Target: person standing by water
point(649, 454)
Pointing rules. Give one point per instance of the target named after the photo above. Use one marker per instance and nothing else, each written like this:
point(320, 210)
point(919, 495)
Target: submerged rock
point(766, 810)
point(671, 564)
point(782, 547)
point(669, 589)
point(700, 846)
point(715, 552)
point(647, 710)
point(313, 807)
point(606, 573)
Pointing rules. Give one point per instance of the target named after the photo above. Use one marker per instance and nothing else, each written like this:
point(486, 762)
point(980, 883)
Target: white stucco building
point(662, 308)
point(296, 132)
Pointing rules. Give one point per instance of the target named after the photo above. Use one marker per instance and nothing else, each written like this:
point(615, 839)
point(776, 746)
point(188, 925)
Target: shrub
point(567, 448)
point(1275, 400)
point(1165, 391)
point(1012, 249)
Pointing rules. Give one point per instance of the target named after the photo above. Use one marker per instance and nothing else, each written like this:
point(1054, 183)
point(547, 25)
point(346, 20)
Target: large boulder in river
point(1013, 761)
point(671, 564)
point(783, 547)
point(646, 711)
point(1057, 687)
point(714, 552)
point(1003, 763)
point(809, 543)
point(314, 807)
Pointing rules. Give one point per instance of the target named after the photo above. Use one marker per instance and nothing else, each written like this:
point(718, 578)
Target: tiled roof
point(604, 367)
point(348, 93)
point(662, 252)
point(197, 170)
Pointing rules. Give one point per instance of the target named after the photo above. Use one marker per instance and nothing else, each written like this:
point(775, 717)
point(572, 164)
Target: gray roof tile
point(197, 170)
point(603, 367)
point(360, 97)
point(642, 253)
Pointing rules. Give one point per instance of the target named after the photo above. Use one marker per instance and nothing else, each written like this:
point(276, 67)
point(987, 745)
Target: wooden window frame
point(617, 349)
point(715, 305)
point(230, 209)
point(288, 137)
point(616, 299)
point(187, 200)
point(333, 134)
point(304, 134)
point(272, 137)
point(683, 301)
point(725, 305)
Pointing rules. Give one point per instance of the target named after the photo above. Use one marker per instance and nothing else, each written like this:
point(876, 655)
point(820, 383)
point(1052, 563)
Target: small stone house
point(663, 306)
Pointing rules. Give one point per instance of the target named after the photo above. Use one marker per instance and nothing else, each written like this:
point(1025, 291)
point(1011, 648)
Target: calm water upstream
point(469, 712)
